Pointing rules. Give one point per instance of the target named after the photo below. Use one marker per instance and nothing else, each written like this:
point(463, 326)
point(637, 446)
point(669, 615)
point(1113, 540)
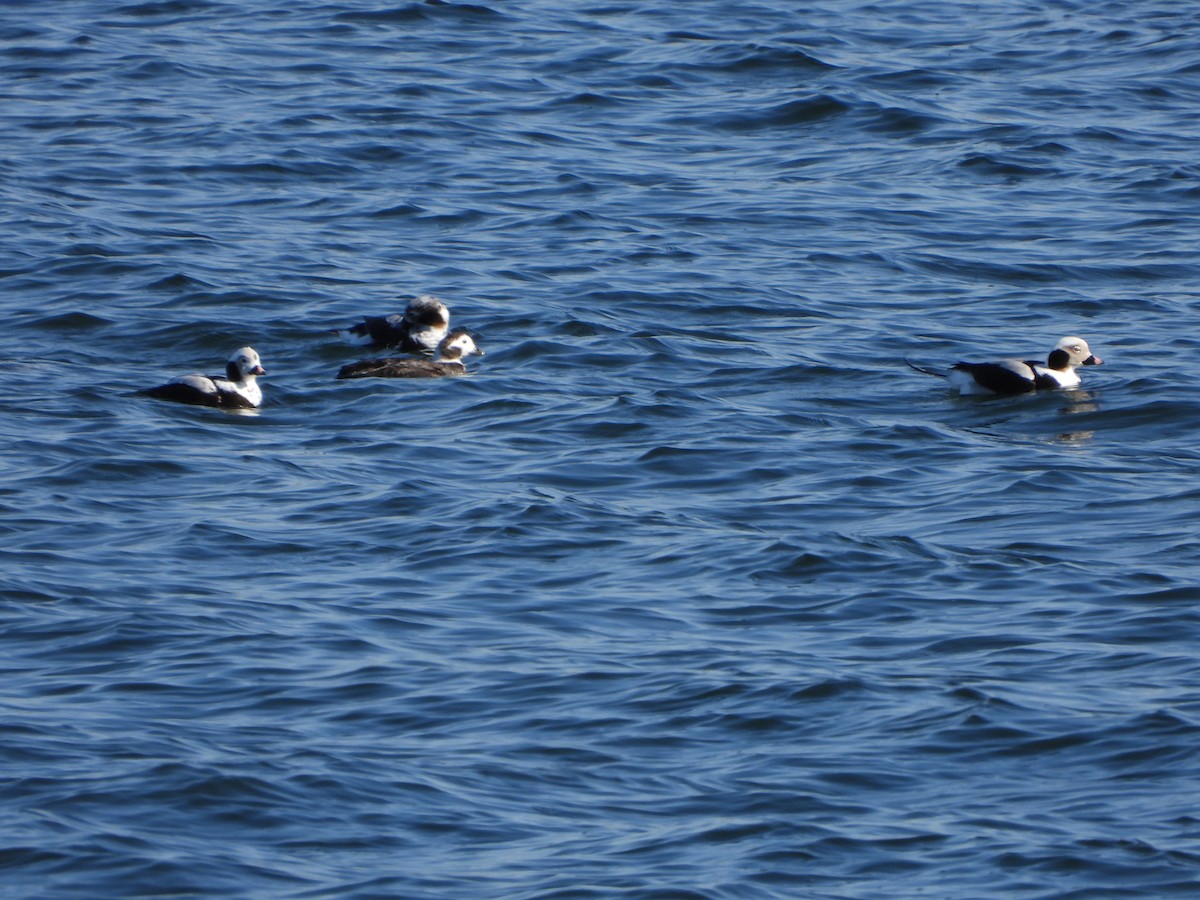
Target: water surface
point(693, 589)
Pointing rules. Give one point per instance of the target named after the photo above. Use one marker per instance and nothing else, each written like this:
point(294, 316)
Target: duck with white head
point(237, 389)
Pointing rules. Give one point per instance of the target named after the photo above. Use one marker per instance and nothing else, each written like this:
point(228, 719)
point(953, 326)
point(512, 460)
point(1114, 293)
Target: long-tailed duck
point(236, 389)
point(1014, 376)
point(447, 361)
point(419, 330)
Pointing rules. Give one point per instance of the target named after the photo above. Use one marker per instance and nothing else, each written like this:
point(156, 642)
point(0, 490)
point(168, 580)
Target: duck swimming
point(1014, 376)
point(236, 389)
point(420, 329)
point(446, 361)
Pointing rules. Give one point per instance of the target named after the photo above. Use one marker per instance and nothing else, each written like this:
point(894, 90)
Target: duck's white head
point(1071, 352)
point(244, 365)
point(455, 346)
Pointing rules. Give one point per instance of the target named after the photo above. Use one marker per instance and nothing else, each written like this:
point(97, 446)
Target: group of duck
point(423, 332)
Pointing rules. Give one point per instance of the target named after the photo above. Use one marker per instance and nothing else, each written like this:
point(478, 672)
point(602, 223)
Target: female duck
point(447, 361)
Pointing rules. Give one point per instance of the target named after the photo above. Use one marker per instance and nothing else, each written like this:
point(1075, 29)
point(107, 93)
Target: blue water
point(693, 589)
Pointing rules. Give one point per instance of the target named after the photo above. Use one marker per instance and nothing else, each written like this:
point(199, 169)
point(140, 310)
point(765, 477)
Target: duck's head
point(1071, 352)
point(427, 311)
point(456, 345)
point(244, 365)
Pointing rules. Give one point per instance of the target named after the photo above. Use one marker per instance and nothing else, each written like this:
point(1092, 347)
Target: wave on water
point(692, 587)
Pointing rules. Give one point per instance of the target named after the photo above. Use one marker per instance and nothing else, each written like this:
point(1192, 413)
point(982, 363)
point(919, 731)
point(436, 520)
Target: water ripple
point(692, 588)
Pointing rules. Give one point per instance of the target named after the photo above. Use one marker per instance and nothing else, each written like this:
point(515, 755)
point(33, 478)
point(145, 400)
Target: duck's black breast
point(1046, 380)
point(233, 400)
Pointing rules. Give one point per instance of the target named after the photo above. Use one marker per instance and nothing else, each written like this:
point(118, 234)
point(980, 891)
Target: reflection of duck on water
point(1080, 402)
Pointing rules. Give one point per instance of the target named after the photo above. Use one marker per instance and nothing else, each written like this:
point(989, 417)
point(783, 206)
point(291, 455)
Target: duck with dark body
point(447, 361)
